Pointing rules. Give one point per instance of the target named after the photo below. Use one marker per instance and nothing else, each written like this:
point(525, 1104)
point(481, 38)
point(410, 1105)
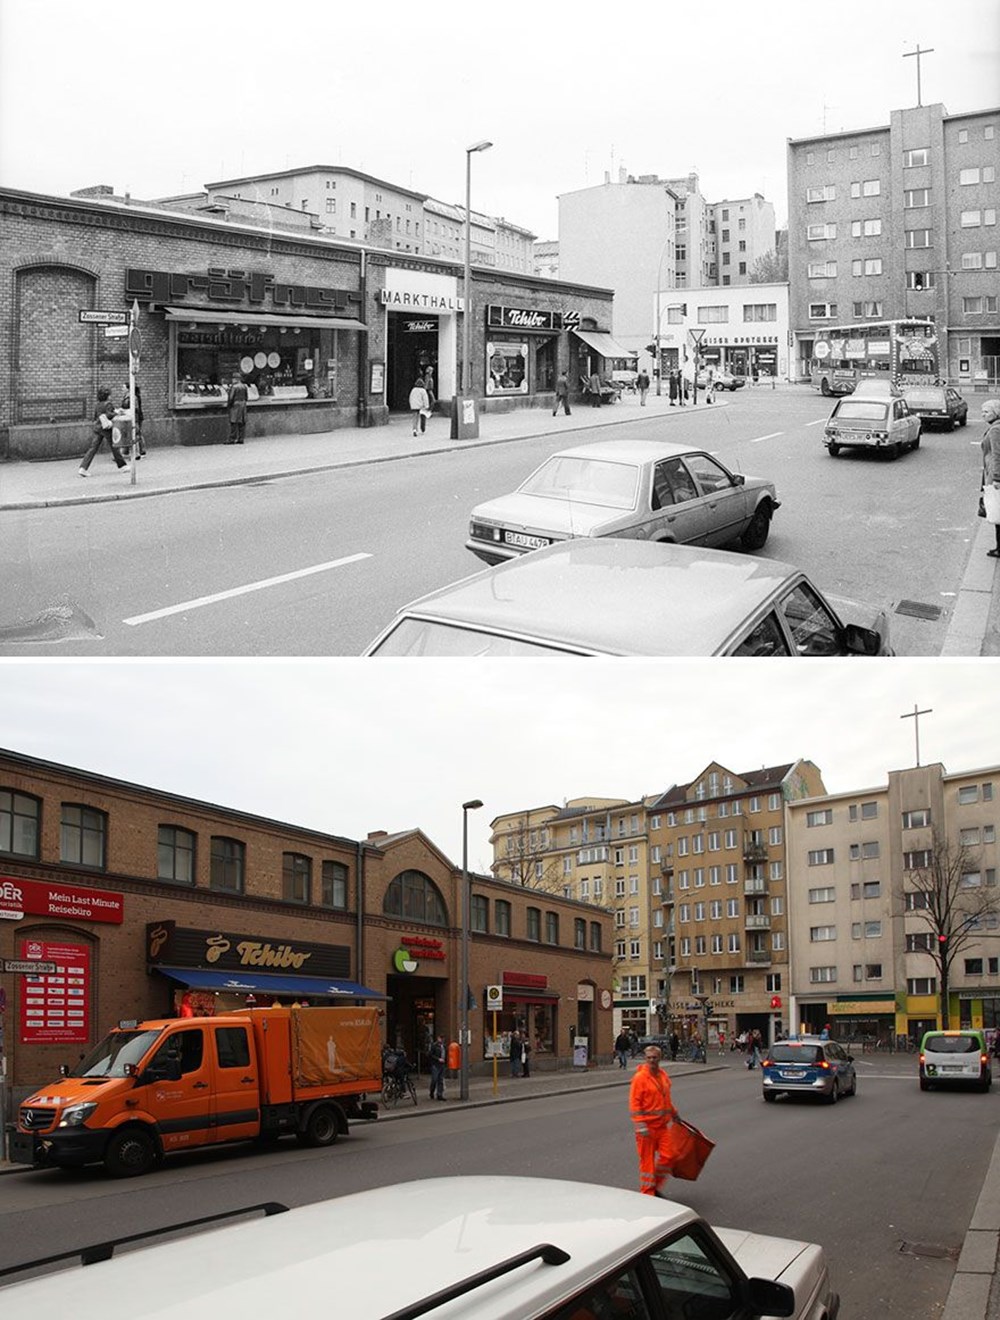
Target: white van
point(948, 1057)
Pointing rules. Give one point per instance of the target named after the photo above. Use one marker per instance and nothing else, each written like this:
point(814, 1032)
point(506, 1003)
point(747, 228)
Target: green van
point(955, 1058)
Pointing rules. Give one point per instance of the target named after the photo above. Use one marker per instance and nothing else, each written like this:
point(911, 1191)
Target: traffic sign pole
point(134, 348)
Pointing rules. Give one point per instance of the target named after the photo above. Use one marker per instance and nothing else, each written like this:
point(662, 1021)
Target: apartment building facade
point(719, 845)
point(744, 230)
point(132, 897)
point(595, 851)
point(861, 930)
point(897, 221)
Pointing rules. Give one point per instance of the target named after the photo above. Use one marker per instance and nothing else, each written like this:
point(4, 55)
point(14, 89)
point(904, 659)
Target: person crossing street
point(652, 1112)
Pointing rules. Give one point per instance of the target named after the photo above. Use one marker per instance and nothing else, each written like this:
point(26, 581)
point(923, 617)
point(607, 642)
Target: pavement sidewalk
point(975, 1288)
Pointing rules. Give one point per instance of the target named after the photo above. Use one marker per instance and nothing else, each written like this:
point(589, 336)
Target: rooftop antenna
point(908, 54)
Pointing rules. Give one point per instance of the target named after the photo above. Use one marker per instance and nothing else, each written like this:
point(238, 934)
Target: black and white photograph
point(483, 983)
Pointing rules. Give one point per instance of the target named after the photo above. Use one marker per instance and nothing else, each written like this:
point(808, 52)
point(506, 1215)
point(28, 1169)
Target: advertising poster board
point(55, 1007)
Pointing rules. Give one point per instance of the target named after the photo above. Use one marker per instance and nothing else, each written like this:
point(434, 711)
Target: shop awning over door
point(245, 983)
point(209, 316)
point(603, 344)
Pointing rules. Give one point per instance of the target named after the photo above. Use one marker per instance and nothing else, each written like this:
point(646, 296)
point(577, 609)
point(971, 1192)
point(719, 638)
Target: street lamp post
point(659, 281)
point(463, 988)
point(467, 285)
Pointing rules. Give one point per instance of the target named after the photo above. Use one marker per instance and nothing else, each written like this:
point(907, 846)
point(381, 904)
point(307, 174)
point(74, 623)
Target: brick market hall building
point(326, 334)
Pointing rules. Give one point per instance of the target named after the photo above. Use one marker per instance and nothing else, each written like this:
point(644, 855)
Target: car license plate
point(952, 1068)
point(524, 542)
point(793, 1074)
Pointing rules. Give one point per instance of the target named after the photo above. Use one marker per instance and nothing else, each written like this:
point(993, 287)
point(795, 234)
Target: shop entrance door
point(413, 345)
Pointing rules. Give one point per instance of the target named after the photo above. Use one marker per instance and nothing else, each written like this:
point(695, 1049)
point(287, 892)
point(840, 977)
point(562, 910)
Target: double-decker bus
point(903, 352)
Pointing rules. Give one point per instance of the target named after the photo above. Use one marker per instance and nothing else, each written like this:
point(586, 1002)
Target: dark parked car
point(937, 405)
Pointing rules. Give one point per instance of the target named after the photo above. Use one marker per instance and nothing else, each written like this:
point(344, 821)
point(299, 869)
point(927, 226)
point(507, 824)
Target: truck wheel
point(321, 1128)
point(130, 1153)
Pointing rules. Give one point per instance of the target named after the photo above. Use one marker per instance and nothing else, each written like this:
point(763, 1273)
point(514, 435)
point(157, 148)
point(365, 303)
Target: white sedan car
point(641, 490)
point(452, 1249)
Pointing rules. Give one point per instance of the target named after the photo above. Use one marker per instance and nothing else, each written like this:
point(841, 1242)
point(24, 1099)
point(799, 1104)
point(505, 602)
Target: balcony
point(758, 885)
point(754, 851)
point(758, 958)
point(757, 921)
point(667, 896)
point(666, 868)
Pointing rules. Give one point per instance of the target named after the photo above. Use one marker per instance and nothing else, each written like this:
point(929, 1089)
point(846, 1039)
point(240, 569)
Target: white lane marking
point(820, 421)
point(243, 591)
point(772, 436)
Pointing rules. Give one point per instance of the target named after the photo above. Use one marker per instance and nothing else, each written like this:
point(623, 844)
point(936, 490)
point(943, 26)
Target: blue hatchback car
point(808, 1065)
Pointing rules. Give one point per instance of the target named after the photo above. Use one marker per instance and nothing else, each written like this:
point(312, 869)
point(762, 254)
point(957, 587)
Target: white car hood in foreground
point(799, 1264)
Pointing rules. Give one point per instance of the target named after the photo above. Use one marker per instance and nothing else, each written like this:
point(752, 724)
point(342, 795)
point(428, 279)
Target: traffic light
point(684, 309)
point(943, 945)
point(651, 350)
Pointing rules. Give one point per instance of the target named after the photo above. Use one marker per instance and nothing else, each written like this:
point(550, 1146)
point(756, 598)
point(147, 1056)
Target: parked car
point(724, 380)
point(875, 416)
point(642, 489)
point(808, 1065)
point(949, 1058)
point(488, 1248)
point(612, 597)
point(937, 405)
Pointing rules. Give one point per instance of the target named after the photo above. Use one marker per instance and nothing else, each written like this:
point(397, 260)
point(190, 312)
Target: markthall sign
point(175, 946)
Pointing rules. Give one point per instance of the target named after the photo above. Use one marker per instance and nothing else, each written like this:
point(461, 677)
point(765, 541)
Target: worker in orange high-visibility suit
point(652, 1113)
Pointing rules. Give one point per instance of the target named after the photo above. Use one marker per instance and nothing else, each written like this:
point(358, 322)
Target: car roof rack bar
point(545, 1251)
point(105, 1250)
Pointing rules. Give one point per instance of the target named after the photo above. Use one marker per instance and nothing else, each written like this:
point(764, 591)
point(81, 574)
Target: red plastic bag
point(692, 1149)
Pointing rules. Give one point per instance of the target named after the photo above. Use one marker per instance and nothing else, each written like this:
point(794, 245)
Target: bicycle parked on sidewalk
point(397, 1078)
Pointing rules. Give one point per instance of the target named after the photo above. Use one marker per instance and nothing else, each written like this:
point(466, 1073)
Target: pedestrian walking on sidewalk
point(526, 1055)
point(652, 1112)
point(438, 1056)
point(673, 387)
point(137, 440)
point(623, 1047)
point(642, 385)
point(562, 395)
point(420, 405)
point(991, 470)
point(236, 405)
point(102, 429)
point(516, 1054)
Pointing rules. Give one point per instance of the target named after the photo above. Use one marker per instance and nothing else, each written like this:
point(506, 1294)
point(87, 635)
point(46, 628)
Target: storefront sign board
point(55, 1006)
point(18, 897)
point(420, 291)
point(175, 946)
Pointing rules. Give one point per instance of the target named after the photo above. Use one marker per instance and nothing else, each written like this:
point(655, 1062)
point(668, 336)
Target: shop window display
point(277, 365)
point(507, 367)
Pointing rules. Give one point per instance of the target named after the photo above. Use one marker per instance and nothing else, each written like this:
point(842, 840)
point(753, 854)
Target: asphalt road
point(886, 1181)
point(316, 564)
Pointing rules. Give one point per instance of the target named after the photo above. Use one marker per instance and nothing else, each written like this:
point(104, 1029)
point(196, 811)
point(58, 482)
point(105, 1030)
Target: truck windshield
point(116, 1050)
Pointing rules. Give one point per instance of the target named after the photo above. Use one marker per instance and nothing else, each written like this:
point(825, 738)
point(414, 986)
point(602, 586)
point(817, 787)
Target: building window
point(826, 192)
point(822, 975)
point(918, 238)
point(971, 219)
point(916, 156)
point(296, 877)
point(972, 261)
point(868, 309)
point(913, 820)
point(968, 794)
point(479, 914)
point(814, 818)
point(533, 924)
point(175, 855)
point(920, 279)
point(595, 937)
point(82, 836)
point(20, 818)
point(988, 132)
point(820, 857)
point(921, 985)
point(579, 933)
point(817, 934)
point(413, 896)
point(732, 943)
point(822, 311)
point(228, 865)
point(712, 315)
point(552, 928)
point(824, 895)
point(333, 885)
point(819, 233)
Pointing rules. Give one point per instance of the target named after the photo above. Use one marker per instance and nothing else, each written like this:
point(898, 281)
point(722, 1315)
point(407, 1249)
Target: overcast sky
point(162, 98)
point(347, 747)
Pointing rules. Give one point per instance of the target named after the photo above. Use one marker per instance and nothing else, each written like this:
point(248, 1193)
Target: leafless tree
point(953, 907)
point(770, 268)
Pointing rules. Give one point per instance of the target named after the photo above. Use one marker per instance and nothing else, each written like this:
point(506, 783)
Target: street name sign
point(27, 966)
point(103, 318)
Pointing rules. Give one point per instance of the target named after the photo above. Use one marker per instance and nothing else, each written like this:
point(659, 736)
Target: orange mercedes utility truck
point(152, 1088)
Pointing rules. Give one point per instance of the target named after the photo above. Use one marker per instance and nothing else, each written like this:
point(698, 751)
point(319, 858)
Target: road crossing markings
point(242, 591)
point(773, 436)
